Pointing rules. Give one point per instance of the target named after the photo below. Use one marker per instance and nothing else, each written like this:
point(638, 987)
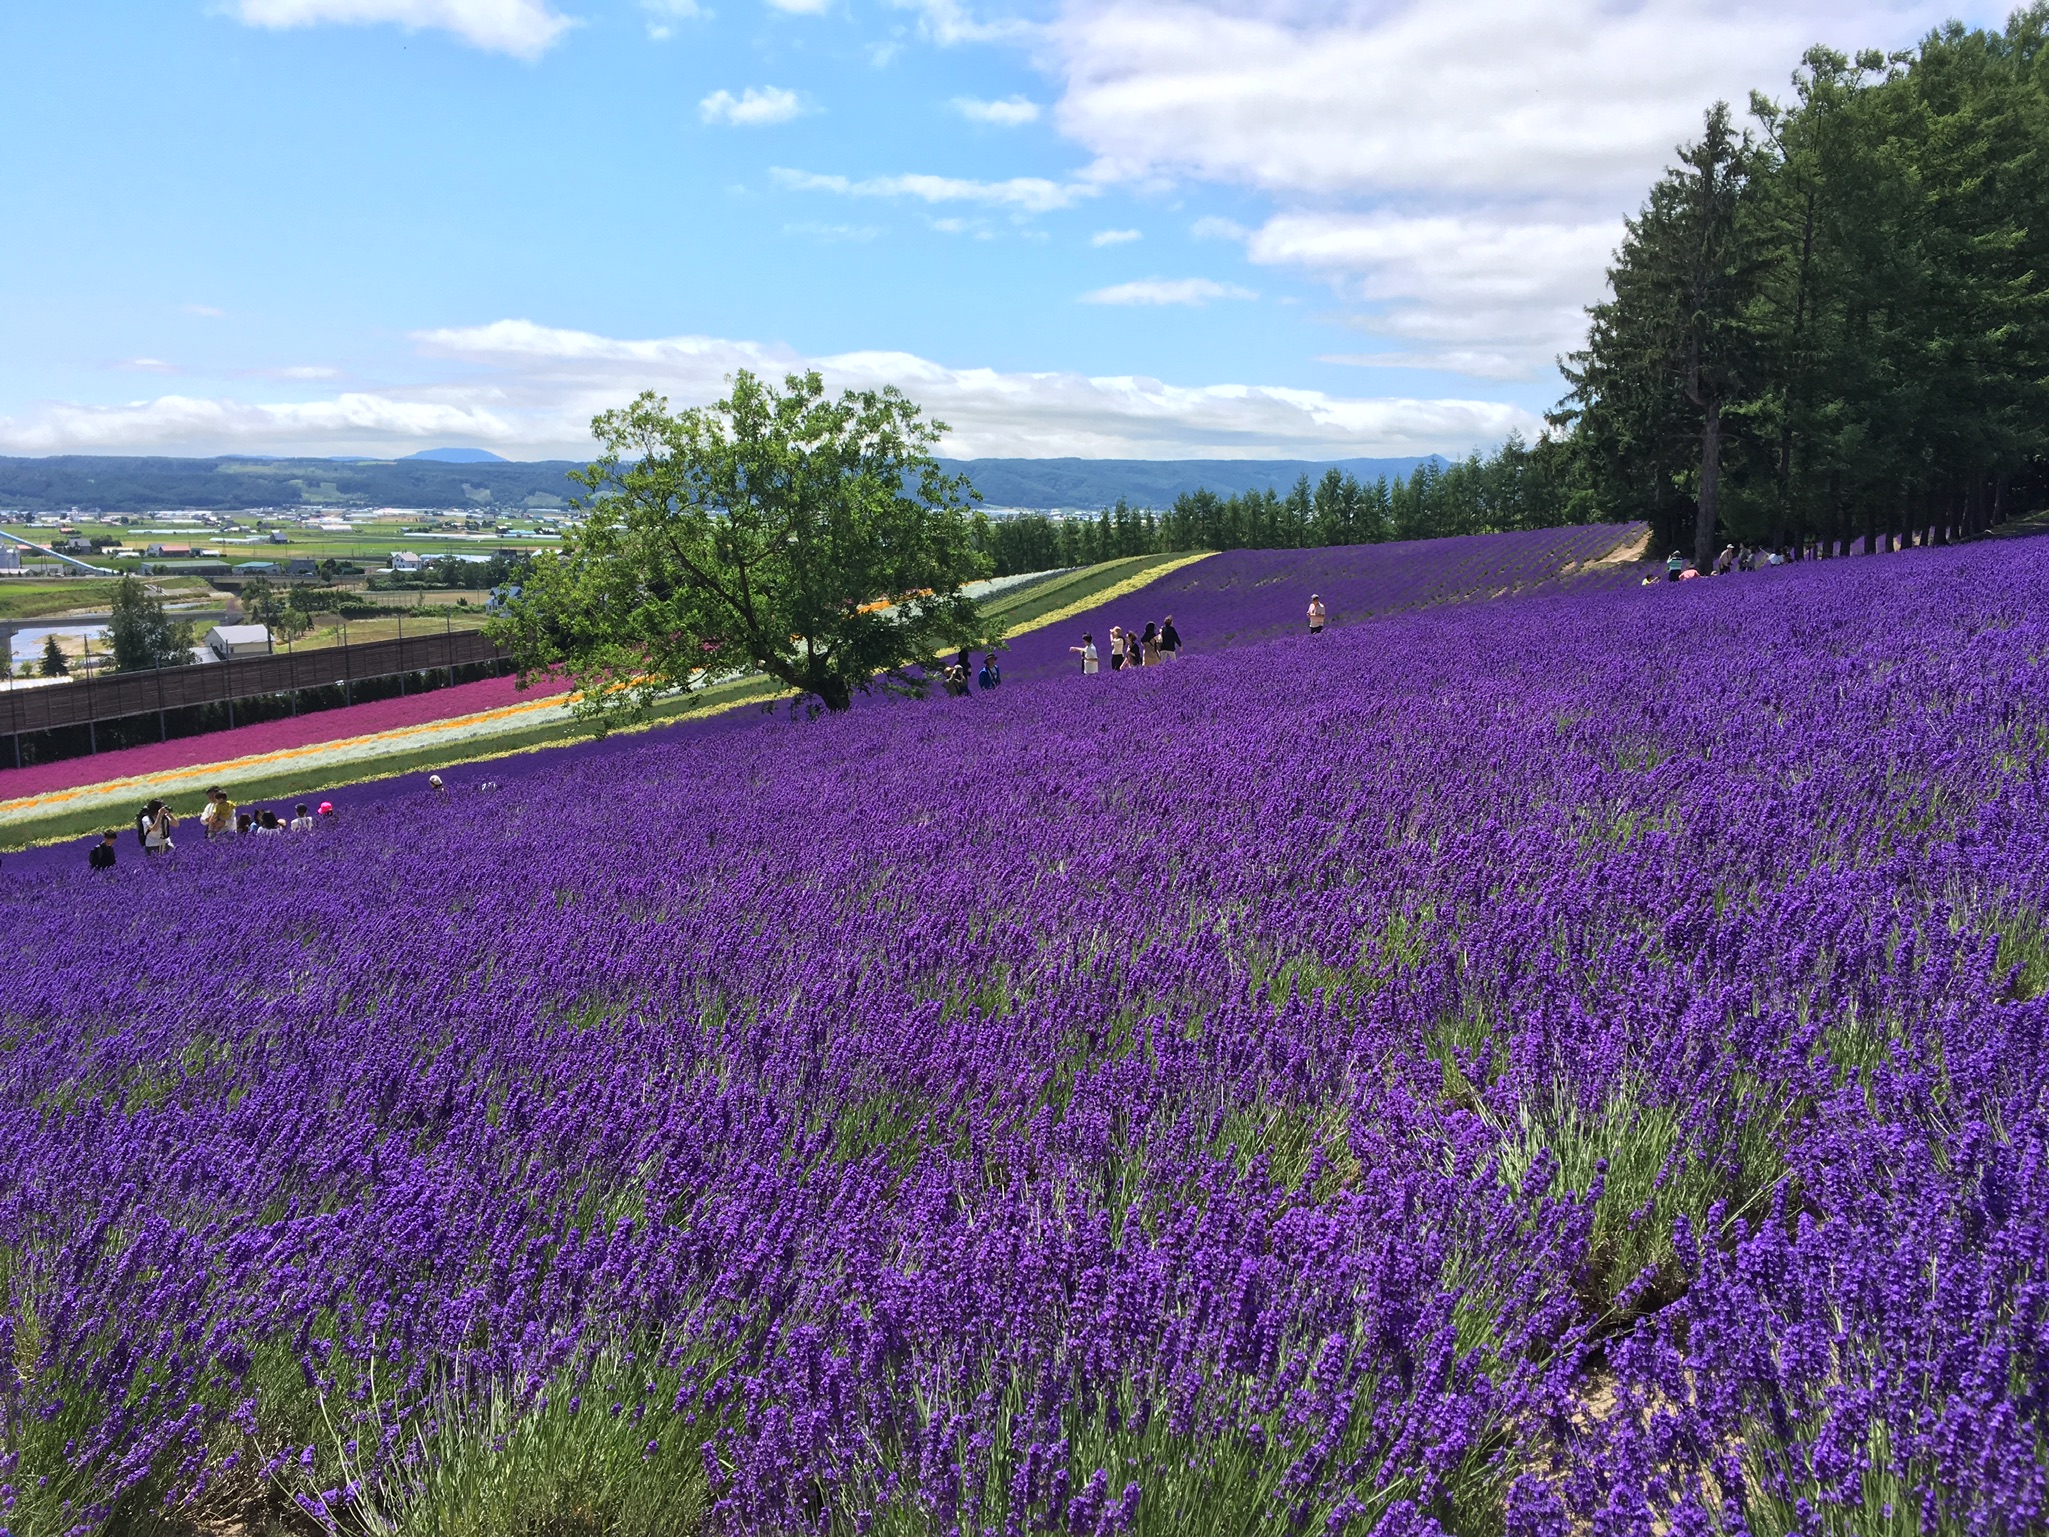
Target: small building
point(405, 560)
point(302, 565)
point(170, 551)
point(230, 641)
point(255, 568)
point(184, 568)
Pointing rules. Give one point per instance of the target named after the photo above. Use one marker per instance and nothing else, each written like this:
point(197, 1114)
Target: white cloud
point(1193, 291)
point(948, 23)
point(204, 311)
point(525, 29)
point(1497, 96)
point(1457, 170)
point(802, 7)
point(668, 11)
point(1010, 112)
point(1114, 237)
point(1490, 292)
point(834, 234)
point(1028, 194)
point(530, 391)
point(752, 108)
point(191, 423)
point(147, 366)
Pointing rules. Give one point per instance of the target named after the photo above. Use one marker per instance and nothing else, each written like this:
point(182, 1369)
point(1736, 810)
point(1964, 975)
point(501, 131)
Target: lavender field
point(1566, 1064)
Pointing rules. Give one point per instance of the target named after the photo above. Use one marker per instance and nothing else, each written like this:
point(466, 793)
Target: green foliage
point(143, 634)
point(1520, 486)
point(469, 575)
point(1836, 328)
point(813, 540)
point(54, 664)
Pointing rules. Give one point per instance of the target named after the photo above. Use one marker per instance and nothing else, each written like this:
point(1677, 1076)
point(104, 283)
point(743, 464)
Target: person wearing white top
point(302, 820)
point(1315, 614)
point(1087, 652)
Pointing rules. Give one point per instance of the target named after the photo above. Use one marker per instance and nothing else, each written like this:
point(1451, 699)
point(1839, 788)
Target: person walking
point(1170, 639)
point(1726, 561)
point(1087, 652)
point(1316, 614)
point(102, 855)
point(1150, 644)
point(991, 676)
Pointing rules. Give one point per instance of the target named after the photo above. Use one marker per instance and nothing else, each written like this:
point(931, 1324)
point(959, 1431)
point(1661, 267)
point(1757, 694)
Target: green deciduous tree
point(813, 539)
point(142, 633)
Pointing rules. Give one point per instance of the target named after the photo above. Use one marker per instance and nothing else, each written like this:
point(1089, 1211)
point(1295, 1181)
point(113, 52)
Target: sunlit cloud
point(526, 29)
point(1029, 194)
point(1011, 112)
point(529, 391)
point(1158, 291)
point(752, 108)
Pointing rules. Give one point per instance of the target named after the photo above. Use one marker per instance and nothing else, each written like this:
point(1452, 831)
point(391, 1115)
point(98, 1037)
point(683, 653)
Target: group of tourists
point(221, 818)
point(1132, 648)
point(1732, 559)
point(955, 677)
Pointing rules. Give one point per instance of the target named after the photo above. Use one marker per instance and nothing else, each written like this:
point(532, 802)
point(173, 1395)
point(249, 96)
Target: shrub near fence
point(125, 709)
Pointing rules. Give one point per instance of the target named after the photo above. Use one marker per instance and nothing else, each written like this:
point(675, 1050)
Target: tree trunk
point(1710, 486)
point(835, 691)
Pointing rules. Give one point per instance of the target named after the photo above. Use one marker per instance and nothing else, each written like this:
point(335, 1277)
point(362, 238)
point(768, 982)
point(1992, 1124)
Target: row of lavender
point(1245, 595)
point(1571, 1063)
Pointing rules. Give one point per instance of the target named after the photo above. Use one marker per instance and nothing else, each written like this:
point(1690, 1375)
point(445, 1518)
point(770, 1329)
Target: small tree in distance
point(816, 540)
point(142, 634)
point(54, 664)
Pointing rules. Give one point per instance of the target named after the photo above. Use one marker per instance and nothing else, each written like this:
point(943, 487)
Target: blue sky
point(1100, 227)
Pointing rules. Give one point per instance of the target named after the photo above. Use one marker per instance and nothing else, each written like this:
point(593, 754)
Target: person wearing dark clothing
point(991, 676)
point(1170, 639)
point(102, 856)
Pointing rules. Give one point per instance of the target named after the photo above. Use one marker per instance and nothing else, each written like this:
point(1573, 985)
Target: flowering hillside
point(1572, 1063)
point(1246, 595)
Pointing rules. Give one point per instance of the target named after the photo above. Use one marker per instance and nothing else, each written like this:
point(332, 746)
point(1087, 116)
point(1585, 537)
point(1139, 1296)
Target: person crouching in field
point(219, 815)
point(102, 855)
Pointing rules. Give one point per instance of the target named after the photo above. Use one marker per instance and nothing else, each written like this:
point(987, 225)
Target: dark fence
point(121, 696)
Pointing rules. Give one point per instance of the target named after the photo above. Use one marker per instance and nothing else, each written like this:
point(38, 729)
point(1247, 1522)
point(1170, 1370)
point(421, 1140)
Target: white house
point(230, 641)
point(405, 560)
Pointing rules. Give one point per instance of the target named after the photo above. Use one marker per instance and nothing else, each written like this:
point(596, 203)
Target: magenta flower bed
point(1566, 1064)
point(270, 736)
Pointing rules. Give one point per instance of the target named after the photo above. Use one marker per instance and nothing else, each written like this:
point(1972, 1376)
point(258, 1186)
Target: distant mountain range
point(472, 478)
